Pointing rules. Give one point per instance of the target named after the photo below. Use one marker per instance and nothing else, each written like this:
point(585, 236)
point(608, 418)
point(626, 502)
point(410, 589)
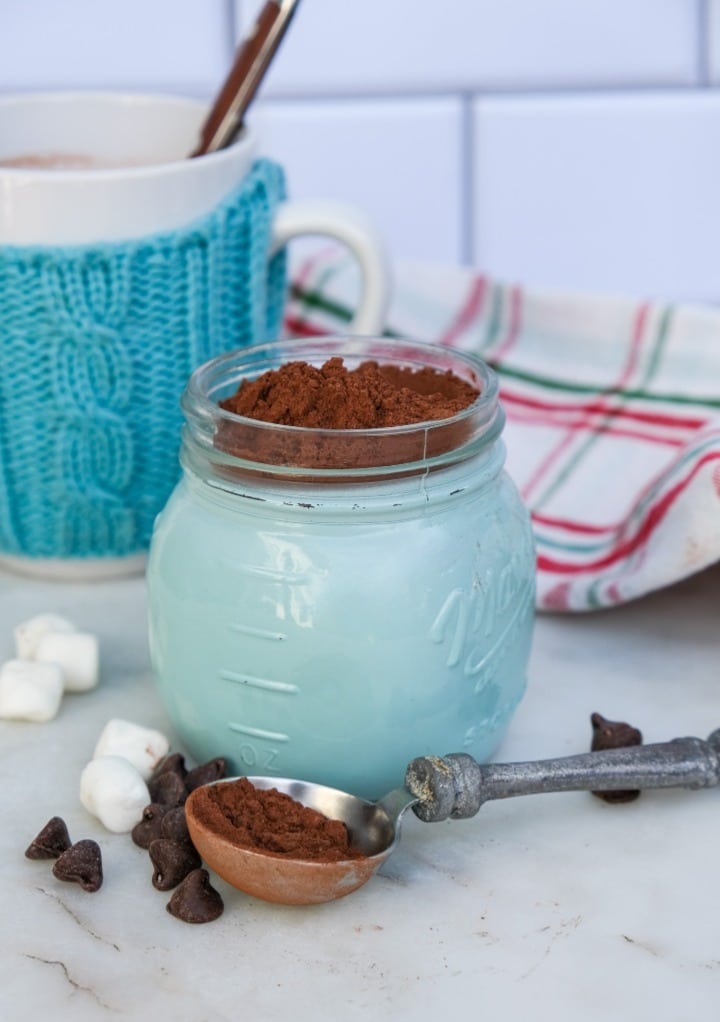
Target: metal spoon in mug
point(452, 787)
point(251, 62)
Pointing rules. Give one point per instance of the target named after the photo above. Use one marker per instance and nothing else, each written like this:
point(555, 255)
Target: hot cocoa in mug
point(51, 161)
point(117, 279)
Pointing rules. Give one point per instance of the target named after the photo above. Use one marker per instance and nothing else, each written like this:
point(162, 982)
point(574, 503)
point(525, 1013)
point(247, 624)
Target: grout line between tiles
point(232, 26)
point(616, 90)
point(703, 42)
point(466, 210)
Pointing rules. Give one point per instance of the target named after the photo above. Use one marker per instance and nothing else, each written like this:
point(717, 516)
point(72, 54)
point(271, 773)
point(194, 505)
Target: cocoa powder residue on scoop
point(269, 821)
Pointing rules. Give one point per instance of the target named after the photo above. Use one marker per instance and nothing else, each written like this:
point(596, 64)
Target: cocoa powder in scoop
point(271, 822)
point(372, 396)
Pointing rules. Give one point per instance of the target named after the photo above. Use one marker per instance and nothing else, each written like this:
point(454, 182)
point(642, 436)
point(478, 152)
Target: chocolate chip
point(614, 734)
point(51, 842)
point(173, 764)
point(206, 773)
point(147, 829)
point(81, 864)
point(174, 826)
point(172, 862)
point(167, 789)
point(196, 900)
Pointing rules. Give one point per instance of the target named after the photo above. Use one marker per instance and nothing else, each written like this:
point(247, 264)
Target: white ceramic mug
point(122, 172)
point(85, 168)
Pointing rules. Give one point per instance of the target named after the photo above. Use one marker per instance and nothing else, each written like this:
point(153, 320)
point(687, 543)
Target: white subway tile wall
point(712, 42)
point(161, 45)
point(346, 46)
point(557, 143)
point(615, 192)
point(400, 160)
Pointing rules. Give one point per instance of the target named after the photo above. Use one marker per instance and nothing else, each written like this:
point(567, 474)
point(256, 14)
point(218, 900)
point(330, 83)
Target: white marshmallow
point(30, 691)
point(76, 654)
point(29, 633)
point(112, 789)
point(142, 746)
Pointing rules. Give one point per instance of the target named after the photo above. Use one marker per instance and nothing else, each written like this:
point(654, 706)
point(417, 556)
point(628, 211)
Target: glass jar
point(330, 623)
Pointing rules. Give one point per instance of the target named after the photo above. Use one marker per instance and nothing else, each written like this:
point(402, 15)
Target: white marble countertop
point(553, 907)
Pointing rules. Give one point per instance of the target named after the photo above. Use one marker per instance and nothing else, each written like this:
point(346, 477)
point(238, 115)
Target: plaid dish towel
point(613, 416)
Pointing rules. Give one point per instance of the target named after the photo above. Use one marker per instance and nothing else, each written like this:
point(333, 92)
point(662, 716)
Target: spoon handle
point(456, 786)
point(248, 69)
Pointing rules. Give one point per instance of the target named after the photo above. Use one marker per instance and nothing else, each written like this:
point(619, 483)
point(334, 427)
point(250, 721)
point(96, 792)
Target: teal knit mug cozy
point(96, 345)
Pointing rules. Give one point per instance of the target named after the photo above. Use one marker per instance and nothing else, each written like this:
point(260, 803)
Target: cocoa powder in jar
point(329, 403)
point(271, 822)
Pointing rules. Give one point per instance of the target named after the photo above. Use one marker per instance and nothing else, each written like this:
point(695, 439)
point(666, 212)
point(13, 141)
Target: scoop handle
point(456, 786)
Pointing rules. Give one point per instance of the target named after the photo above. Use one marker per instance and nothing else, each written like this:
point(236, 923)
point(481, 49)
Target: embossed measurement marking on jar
point(288, 577)
point(248, 752)
point(258, 633)
point(283, 688)
point(285, 583)
point(289, 585)
point(253, 681)
point(258, 732)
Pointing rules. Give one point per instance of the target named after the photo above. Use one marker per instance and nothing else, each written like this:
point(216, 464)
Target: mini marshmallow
point(112, 789)
point(77, 656)
point(29, 633)
point(142, 746)
point(30, 691)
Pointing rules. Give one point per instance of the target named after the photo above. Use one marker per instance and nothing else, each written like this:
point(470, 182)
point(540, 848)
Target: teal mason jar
point(331, 623)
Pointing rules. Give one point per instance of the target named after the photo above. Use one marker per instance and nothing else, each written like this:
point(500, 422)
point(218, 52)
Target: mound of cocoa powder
point(333, 397)
point(269, 821)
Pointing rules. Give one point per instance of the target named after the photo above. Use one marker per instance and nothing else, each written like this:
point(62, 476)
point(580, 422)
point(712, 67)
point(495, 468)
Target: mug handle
point(352, 228)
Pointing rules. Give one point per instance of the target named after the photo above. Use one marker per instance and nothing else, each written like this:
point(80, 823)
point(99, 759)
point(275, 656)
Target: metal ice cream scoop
point(440, 788)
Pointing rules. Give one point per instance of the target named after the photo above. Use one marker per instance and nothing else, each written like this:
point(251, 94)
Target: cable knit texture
point(96, 344)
